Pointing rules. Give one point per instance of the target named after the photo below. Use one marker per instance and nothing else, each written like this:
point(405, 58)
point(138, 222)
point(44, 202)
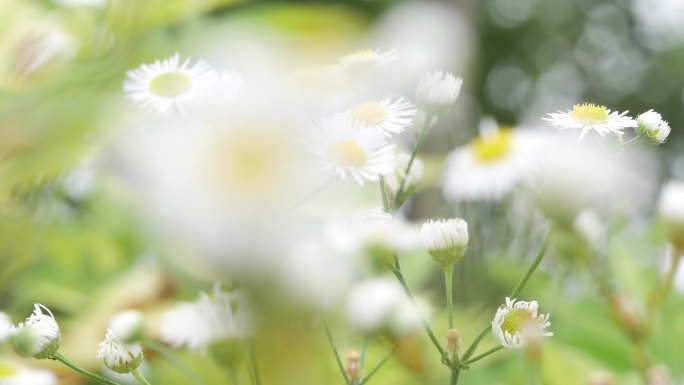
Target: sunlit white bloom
point(652, 128)
point(211, 318)
point(445, 239)
point(591, 117)
point(170, 84)
point(437, 90)
point(11, 374)
point(387, 116)
point(38, 336)
point(378, 304)
point(119, 356)
point(671, 209)
point(349, 149)
point(490, 166)
point(5, 327)
point(515, 319)
point(367, 58)
point(128, 325)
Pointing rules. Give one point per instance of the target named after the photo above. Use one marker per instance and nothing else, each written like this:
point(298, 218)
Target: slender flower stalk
point(334, 349)
point(449, 283)
point(59, 357)
point(376, 368)
point(422, 133)
point(139, 377)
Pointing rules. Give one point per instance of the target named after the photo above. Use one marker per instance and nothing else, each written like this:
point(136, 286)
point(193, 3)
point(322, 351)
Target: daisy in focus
point(368, 58)
point(591, 117)
point(169, 84)
point(516, 323)
point(387, 116)
point(349, 149)
point(652, 128)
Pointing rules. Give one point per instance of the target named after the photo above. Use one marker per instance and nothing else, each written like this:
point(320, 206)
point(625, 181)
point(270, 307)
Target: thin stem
point(377, 367)
point(139, 377)
point(449, 283)
point(383, 193)
point(397, 273)
point(471, 349)
point(310, 195)
point(658, 296)
point(364, 349)
point(455, 371)
point(169, 356)
point(337, 355)
point(421, 136)
point(59, 357)
point(254, 365)
point(483, 355)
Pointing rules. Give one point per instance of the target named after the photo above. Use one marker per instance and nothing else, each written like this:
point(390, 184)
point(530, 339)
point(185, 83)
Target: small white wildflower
point(119, 356)
point(38, 336)
point(387, 116)
point(591, 117)
point(445, 239)
point(652, 128)
point(129, 325)
point(437, 90)
point(671, 209)
point(513, 322)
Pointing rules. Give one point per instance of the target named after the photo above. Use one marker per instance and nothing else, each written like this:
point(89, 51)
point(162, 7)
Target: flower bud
point(437, 90)
point(454, 341)
point(445, 240)
point(38, 336)
point(651, 127)
point(118, 356)
point(353, 368)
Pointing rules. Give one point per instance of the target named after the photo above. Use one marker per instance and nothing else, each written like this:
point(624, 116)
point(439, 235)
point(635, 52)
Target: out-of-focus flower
point(128, 325)
point(368, 58)
point(437, 90)
point(591, 117)
point(212, 318)
point(119, 356)
point(671, 209)
point(347, 148)
point(445, 240)
point(411, 180)
point(38, 336)
point(516, 322)
point(490, 166)
point(169, 84)
point(5, 327)
point(380, 304)
point(11, 374)
point(652, 128)
point(590, 227)
point(387, 116)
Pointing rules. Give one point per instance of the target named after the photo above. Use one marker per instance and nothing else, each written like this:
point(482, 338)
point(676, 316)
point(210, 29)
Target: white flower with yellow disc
point(517, 322)
point(591, 117)
point(387, 116)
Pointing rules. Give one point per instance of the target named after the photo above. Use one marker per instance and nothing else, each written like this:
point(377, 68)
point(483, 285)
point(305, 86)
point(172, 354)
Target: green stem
point(169, 356)
point(376, 368)
point(139, 377)
point(518, 288)
point(337, 355)
point(364, 349)
point(254, 365)
point(59, 357)
point(483, 355)
point(449, 283)
point(233, 377)
point(383, 193)
point(421, 136)
point(455, 371)
point(397, 273)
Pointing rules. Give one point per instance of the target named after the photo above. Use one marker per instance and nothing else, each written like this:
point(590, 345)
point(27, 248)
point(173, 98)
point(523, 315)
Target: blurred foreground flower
point(591, 117)
point(516, 323)
point(437, 90)
point(386, 116)
point(128, 325)
point(671, 209)
point(12, 374)
point(38, 336)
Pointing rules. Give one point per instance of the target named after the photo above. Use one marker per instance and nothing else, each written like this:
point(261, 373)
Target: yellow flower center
point(589, 113)
point(7, 371)
point(370, 113)
point(492, 146)
point(171, 84)
point(364, 53)
point(347, 153)
point(515, 320)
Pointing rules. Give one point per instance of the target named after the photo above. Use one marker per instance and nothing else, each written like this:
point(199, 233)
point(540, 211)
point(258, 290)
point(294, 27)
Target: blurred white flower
point(11, 374)
point(437, 90)
point(445, 239)
point(671, 209)
point(515, 319)
point(119, 356)
point(591, 117)
point(128, 325)
point(5, 327)
point(490, 166)
point(169, 84)
point(387, 116)
point(590, 227)
point(347, 148)
point(368, 58)
point(213, 317)
point(45, 45)
point(652, 128)
point(37, 337)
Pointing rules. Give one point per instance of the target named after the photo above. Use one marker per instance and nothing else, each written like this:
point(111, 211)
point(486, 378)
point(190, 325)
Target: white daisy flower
point(5, 327)
point(213, 317)
point(349, 149)
point(38, 336)
point(169, 84)
point(445, 239)
point(490, 166)
point(437, 90)
point(129, 325)
point(369, 58)
point(591, 117)
point(652, 128)
point(671, 209)
point(11, 374)
point(387, 116)
point(516, 322)
point(119, 356)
